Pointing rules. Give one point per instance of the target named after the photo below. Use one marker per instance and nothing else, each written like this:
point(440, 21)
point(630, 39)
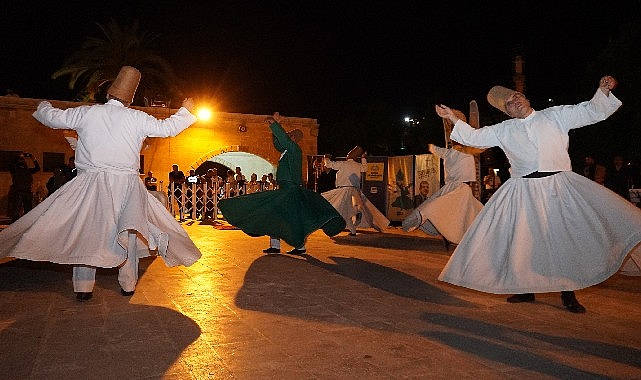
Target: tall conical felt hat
point(125, 85)
point(295, 134)
point(498, 96)
point(355, 153)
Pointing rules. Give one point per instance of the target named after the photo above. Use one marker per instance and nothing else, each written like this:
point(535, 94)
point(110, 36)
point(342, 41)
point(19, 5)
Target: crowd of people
point(210, 188)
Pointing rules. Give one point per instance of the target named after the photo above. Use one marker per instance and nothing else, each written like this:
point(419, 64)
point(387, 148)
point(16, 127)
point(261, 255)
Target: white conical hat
point(497, 97)
point(125, 85)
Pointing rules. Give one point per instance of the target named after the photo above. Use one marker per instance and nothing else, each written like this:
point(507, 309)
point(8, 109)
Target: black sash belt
point(538, 174)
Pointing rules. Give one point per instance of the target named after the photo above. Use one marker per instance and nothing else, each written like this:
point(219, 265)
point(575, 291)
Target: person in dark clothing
point(20, 192)
point(326, 179)
point(56, 180)
point(70, 170)
point(618, 177)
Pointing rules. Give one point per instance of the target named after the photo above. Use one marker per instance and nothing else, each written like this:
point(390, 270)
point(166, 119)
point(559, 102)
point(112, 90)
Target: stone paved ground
point(363, 307)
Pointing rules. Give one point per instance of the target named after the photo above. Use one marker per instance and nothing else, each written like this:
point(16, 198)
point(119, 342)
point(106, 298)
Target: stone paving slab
point(363, 307)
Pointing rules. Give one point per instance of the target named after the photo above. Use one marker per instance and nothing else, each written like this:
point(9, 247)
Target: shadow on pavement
point(46, 333)
point(393, 241)
point(506, 345)
point(286, 285)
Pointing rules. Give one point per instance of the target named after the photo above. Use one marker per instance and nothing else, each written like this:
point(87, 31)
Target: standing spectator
point(176, 176)
point(546, 229)
point(192, 185)
point(264, 183)
point(105, 216)
point(69, 170)
point(192, 177)
point(211, 178)
point(290, 213)
point(56, 180)
point(618, 177)
point(21, 189)
point(231, 186)
point(491, 182)
point(151, 182)
point(326, 179)
point(240, 181)
point(592, 170)
point(211, 182)
point(272, 185)
point(175, 189)
point(253, 186)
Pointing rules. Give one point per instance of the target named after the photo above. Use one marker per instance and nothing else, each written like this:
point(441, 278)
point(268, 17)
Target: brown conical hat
point(125, 85)
point(356, 152)
point(498, 96)
point(295, 134)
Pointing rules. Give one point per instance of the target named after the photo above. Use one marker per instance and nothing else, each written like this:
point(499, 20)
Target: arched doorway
point(248, 162)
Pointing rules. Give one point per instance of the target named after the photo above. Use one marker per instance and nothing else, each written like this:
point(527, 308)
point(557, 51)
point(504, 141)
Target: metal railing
point(199, 201)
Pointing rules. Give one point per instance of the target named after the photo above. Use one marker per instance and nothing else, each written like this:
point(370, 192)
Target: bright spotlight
point(204, 114)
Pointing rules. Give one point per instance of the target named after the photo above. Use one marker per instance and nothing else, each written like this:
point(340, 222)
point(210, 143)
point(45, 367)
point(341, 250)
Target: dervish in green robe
point(290, 212)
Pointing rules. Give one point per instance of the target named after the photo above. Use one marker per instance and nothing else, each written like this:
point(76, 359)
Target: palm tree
point(99, 60)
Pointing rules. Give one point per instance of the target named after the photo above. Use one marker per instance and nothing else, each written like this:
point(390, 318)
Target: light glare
point(204, 114)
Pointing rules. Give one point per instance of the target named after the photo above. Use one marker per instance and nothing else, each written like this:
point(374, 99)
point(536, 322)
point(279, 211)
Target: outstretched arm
point(607, 84)
point(446, 112)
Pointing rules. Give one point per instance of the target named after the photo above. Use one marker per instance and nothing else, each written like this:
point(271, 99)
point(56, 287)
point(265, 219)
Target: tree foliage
point(99, 59)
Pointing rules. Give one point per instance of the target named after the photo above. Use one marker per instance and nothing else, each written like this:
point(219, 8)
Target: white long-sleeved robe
point(451, 209)
point(86, 221)
point(348, 199)
point(556, 233)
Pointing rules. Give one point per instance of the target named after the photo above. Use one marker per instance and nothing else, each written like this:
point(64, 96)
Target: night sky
point(321, 59)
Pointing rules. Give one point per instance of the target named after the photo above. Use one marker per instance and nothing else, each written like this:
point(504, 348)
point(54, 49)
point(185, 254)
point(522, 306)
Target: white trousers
point(275, 243)
point(84, 277)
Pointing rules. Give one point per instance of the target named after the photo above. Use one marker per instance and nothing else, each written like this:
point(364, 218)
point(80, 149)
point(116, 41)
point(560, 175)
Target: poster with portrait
point(400, 184)
point(427, 177)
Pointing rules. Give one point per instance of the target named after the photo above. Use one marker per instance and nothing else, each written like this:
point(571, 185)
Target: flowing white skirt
point(356, 209)
point(450, 211)
point(562, 232)
point(87, 220)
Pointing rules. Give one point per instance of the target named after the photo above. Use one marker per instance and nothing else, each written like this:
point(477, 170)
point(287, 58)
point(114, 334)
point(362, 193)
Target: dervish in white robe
point(348, 199)
point(561, 232)
point(106, 212)
point(451, 209)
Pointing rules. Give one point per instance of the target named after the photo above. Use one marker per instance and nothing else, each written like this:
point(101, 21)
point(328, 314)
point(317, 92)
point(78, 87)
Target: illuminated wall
point(224, 132)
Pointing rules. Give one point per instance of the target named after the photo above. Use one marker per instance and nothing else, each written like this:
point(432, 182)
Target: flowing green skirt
point(289, 213)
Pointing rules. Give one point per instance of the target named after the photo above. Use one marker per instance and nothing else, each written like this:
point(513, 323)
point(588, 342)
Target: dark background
point(358, 68)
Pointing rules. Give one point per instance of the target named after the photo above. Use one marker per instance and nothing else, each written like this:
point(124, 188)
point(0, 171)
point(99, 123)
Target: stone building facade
point(224, 132)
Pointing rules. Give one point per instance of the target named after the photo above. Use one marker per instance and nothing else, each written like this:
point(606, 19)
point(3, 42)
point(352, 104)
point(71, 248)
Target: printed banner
point(427, 177)
point(400, 173)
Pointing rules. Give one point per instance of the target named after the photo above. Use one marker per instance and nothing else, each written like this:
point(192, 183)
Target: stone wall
point(224, 132)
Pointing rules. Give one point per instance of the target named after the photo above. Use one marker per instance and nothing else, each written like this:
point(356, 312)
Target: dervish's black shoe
point(571, 303)
point(271, 250)
point(296, 251)
point(352, 234)
point(83, 296)
point(518, 298)
point(126, 293)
